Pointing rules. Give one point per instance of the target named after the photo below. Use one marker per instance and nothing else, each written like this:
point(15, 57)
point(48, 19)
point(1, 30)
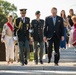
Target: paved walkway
point(37, 72)
point(67, 66)
point(45, 64)
point(68, 55)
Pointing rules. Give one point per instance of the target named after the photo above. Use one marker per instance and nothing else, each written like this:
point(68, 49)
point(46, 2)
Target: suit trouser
point(36, 50)
point(55, 40)
point(23, 51)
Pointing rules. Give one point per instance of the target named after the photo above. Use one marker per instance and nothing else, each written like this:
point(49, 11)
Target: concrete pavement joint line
point(38, 72)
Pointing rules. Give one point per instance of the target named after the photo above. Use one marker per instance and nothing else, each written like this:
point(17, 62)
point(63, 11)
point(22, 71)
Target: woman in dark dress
point(71, 13)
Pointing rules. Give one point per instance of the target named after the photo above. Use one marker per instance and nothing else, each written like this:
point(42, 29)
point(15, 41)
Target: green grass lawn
point(31, 56)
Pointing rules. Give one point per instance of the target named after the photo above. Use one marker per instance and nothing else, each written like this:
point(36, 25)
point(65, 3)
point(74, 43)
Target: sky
point(44, 6)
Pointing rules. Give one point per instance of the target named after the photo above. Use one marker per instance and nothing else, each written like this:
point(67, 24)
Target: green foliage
point(3, 19)
point(5, 9)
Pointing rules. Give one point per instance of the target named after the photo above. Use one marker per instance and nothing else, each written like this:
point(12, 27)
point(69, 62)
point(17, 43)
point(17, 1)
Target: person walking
point(54, 33)
point(21, 30)
point(7, 38)
point(37, 27)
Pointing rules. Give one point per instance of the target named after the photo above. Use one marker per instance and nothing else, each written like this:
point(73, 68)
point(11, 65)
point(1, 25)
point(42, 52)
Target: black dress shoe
point(36, 62)
point(22, 64)
point(56, 64)
point(49, 61)
point(41, 62)
point(26, 62)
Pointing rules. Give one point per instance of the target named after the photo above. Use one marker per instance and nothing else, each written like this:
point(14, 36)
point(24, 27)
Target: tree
point(5, 9)
point(3, 19)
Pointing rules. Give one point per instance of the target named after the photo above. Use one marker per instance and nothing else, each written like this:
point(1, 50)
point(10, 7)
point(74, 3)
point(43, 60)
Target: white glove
point(2, 40)
point(30, 30)
point(15, 38)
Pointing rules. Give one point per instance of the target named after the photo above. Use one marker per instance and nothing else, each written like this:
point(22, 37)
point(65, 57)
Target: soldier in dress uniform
point(21, 32)
point(7, 38)
point(37, 27)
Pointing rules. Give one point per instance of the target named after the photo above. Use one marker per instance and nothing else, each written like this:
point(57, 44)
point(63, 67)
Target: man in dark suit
point(37, 26)
point(21, 30)
point(53, 33)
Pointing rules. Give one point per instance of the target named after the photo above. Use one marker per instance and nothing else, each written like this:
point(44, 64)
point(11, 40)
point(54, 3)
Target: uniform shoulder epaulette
point(41, 19)
point(27, 18)
point(34, 20)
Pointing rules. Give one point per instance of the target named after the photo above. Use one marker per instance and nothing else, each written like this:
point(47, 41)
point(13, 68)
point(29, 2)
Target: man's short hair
point(54, 8)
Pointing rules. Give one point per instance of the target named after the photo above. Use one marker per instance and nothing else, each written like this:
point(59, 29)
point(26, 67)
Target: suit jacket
point(22, 29)
point(50, 28)
point(37, 27)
